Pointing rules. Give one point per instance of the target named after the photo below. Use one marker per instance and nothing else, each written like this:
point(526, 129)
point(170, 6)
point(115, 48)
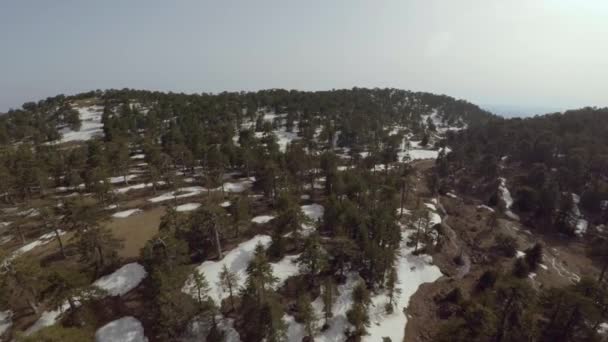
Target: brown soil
point(474, 234)
point(136, 230)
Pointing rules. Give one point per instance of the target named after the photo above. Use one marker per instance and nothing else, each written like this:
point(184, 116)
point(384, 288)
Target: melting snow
point(118, 283)
point(262, 219)
point(225, 204)
point(42, 240)
point(137, 187)
point(188, 207)
point(412, 272)
point(483, 206)
point(239, 186)
point(179, 193)
point(126, 329)
point(505, 195)
point(315, 213)
point(236, 260)
point(6, 321)
point(120, 179)
point(122, 280)
point(90, 127)
point(126, 213)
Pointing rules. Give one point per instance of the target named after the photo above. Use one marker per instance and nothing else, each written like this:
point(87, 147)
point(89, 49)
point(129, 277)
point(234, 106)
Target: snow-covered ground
point(483, 206)
point(117, 283)
point(315, 213)
point(505, 195)
point(42, 240)
point(188, 191)
point(434, 218)
point(237, 261)
point(122, 280)
point(126, 213)
point(6, 321)
point(120, 179)
point(225, 204)
point(90, 127)
point(578, 220)
point(126, 329)
point(412, 271)
point(136, 187)
point(239, 186)
point(337, 324)
point(199, 329)
point(47, 319)
point(285, 268)
point(187, 207)
point(262, 219)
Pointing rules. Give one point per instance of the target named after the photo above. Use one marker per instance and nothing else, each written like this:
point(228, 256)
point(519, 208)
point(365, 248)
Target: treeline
point(355, 110)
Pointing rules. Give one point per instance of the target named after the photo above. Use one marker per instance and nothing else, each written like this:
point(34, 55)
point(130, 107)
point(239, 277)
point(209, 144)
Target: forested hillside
point(552, 163)
point(343, 215)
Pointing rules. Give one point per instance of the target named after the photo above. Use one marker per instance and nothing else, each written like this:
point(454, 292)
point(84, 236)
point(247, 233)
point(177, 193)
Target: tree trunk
point(58, 237)
point(604, 267)
point(402, 201)
point(101, 258)
point(231, 297)
point(217, 242)
point(20, 234)
point(501, 327)
point(32, 304)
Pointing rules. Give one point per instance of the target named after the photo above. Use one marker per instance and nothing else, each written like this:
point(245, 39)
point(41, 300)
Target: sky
point(524, 56)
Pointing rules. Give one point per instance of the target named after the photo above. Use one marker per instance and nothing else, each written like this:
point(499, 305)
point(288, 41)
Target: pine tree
point(73, 287)
point(357, 315)
point(229, 282)
point(534, 256)
point(240, 211)
point(329, 293)
point(207, 224)
point(393, 292)
point(307, 316)
point(313, 259)
point(97, 246)
point(25, 279)
point(260, 277)
point(51, 223)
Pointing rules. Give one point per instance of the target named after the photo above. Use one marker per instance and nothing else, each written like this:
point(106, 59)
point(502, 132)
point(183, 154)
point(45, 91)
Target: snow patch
point(6, 321)
point(90, 127)
point(262, 219)
point(236, 260)
point(122, 280)
point(239, 186)
point(483, 206)
point(126, 213)
point(126, 329)
point(505, 195)
point(187, 207)
point(179, 193)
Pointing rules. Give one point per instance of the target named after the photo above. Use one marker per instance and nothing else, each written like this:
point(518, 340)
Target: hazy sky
point(528, 54)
